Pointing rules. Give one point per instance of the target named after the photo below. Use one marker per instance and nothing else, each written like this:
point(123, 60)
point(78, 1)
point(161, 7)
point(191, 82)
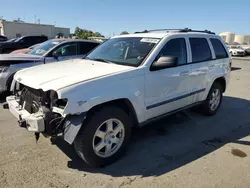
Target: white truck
point(127, 81)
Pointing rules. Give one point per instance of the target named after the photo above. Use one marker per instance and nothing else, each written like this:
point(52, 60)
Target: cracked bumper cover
point(36, 123)
point(33, 122)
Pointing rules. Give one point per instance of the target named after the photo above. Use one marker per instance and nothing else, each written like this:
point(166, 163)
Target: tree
point(97, 34)
point(124, 33)
point(85, 34)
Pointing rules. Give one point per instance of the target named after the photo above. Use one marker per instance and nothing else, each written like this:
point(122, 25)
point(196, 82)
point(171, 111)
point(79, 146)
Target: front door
point(168, 89)
point(67, 51)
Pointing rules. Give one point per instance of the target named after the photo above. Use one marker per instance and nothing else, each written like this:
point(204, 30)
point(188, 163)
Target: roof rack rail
point(177, 30)
point(167, 30)
point(197, 31)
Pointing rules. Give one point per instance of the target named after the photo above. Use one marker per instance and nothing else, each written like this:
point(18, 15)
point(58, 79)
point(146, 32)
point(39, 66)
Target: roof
point(74, 40)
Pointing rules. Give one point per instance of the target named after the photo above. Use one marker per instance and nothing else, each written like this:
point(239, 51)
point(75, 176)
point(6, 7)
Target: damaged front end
point(38, 111)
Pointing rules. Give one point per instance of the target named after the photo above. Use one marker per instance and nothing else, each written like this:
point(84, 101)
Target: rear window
point(219, 49)
point(200, 50)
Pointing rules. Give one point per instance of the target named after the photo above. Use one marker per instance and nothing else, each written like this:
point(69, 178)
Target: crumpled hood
point(59, 75)
point(20, 57)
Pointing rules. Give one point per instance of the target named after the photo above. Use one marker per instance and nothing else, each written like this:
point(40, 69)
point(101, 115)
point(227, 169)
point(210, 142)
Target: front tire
point(213, 101)
point(104, 136)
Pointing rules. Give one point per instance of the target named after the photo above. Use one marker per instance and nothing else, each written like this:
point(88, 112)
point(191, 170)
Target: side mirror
point(57, 54)
point(164, 62)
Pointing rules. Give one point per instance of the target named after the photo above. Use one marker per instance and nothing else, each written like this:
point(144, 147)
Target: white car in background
point(236, 51)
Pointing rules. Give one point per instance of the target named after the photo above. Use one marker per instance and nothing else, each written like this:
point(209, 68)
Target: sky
point(110, 17)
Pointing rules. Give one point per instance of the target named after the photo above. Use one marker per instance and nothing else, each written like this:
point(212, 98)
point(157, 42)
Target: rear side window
point(86, 47)
point(219, 49)
point(177, 48)
point(200, 50)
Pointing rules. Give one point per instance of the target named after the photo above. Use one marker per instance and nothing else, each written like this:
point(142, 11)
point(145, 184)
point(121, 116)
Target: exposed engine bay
point(41, 104)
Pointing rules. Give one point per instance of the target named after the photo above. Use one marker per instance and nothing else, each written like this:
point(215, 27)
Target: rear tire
point(97, 143)
point(212, 104)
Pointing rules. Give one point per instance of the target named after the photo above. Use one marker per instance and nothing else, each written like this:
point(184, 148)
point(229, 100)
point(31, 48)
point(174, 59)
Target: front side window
point(176, 48)
point(200, 49)
point(68, 49)
point(129, 51)
point(219, 49)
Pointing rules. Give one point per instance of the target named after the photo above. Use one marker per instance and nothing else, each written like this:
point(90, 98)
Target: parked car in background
point(3, 38)
point(24, 50)
point(246, 49)
point(48, 52)
point(129, 80)
point(11, 40)
point(236, 51)
point(22, 42)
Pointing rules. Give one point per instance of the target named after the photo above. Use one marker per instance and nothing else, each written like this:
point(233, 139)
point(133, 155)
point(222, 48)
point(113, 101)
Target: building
point(17, 29)
point(234, 39)
point(228, 37)
point(242, 39)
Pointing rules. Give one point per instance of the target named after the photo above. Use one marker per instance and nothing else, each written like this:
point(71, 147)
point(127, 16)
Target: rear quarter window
point(219, 49)
point(200, 50)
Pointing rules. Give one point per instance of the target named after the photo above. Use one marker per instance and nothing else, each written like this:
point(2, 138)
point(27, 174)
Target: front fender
point(84, 97)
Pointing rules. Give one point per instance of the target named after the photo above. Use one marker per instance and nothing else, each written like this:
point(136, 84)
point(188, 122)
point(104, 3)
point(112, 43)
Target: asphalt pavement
point(184, 150)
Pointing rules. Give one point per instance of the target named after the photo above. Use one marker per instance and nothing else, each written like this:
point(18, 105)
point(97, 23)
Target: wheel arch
point(222, 82)
point(76, 122)
point(123, 103)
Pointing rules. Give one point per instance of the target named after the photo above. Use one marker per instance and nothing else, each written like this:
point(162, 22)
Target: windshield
point(124, 51)
point(44, 47)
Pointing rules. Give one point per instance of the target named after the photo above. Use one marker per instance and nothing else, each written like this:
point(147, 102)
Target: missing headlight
point(61, 103)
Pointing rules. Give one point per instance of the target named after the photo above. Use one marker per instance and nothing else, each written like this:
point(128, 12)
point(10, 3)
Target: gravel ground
point(184, 150)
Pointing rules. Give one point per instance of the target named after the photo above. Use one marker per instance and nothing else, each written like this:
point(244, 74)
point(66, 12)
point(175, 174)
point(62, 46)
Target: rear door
point(168, 89)
point(201, 56)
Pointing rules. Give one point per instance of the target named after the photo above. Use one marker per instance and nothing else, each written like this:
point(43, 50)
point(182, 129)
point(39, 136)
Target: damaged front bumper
point(39, 123)
point(32, 122)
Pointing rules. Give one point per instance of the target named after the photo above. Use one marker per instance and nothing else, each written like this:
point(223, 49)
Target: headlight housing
point(3, 69)
point(61, 103)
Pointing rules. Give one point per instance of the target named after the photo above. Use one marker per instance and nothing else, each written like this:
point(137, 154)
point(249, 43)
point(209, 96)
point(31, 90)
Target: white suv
point(127, 81)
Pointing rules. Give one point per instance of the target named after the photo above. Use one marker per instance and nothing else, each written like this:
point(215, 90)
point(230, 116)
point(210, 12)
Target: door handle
point(184, 73)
